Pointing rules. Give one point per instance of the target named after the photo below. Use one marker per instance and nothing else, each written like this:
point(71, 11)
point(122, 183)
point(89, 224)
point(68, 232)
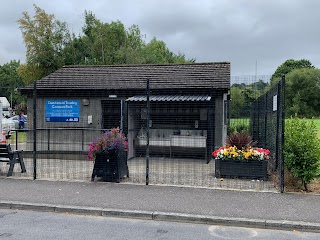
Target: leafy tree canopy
point(10, 81)
point(50, 45)
point(45, 38)
point(289, 66)
point(111, 43)
point(243, 94)
point(302, 92)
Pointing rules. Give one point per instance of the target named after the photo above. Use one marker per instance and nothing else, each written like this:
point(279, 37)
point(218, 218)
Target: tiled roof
point(195, 75)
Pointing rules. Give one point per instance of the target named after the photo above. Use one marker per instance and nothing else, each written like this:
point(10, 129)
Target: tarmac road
point(19, 224)
point(202, 205)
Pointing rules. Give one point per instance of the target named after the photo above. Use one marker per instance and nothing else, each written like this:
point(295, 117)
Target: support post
point(35, 130)
point(148, 132)
point(282, 86)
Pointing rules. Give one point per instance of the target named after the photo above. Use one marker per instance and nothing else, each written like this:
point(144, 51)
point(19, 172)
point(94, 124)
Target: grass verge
point(22, 137)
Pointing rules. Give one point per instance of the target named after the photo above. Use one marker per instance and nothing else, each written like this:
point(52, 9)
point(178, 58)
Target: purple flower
point(109, 140)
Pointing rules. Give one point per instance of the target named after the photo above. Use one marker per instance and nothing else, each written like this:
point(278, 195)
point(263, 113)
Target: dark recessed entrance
point(111, 113)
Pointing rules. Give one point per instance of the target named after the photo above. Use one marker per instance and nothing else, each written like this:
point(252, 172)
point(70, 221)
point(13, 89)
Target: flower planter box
point(111, 166)
point(241, 169)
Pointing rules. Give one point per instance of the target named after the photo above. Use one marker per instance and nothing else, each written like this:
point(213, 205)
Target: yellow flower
point(234, 154)
point(247, 154)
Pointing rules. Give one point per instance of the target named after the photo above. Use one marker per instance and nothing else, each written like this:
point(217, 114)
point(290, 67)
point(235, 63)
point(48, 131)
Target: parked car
point(7, 126)
point(15, 119)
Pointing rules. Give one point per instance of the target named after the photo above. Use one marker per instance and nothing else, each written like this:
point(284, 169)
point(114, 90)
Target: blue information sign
point(62, 110)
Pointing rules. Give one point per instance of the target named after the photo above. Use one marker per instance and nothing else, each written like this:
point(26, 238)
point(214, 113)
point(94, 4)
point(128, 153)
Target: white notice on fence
point(275, 103)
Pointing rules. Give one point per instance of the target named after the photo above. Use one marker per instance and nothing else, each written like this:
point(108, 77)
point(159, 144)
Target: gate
point(267, 127)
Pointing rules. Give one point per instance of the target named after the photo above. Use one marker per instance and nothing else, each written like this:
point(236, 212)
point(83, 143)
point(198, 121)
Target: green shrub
point(238, 127)
point(302, 150)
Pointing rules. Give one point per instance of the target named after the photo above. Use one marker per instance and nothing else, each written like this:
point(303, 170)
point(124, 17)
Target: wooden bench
point(11, 157)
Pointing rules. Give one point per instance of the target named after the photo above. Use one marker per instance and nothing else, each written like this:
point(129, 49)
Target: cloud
point(252, 35)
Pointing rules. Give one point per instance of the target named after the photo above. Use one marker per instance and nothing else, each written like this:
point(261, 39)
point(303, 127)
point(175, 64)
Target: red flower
point(264, 151)
point(215, 153)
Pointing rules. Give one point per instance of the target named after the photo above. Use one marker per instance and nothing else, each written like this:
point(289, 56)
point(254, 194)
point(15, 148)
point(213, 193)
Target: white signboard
point(275, 103)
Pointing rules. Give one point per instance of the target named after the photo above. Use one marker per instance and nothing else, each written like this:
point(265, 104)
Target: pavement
point(294, 211)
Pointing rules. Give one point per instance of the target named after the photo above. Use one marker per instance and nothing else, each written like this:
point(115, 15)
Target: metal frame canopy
point(171, 98)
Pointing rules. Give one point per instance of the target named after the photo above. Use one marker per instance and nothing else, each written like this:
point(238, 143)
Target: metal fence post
point(121, 115)
point(34, 130)
point(282, 86)
point(48, 139)
point(148, 122)
point(82, 139)
point(17, 139)
point(265, 111)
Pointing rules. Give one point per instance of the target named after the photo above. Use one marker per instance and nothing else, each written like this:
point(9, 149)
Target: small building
point(188, 105)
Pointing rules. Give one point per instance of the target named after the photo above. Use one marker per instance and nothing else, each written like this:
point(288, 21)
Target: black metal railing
point(170, 138)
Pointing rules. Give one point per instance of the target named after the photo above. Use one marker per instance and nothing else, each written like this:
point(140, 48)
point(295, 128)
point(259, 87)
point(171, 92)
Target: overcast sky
point(255, 36)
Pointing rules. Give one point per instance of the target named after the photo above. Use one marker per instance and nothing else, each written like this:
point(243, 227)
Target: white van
point(7, 125)
point(5, 107)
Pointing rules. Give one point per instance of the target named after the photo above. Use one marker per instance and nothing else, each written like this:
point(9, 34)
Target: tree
point(111, 43)
point(50, 45)
point(79, 50)
point(260, 85)
point(109, 39)
point(156, 51)
point(289, 66)
point(10, 82)
point(302, 92)
point(243, 95)
point(105, 43)
point(131, 51)
point(45, 38)
point(30, 72)
point(237, 105)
